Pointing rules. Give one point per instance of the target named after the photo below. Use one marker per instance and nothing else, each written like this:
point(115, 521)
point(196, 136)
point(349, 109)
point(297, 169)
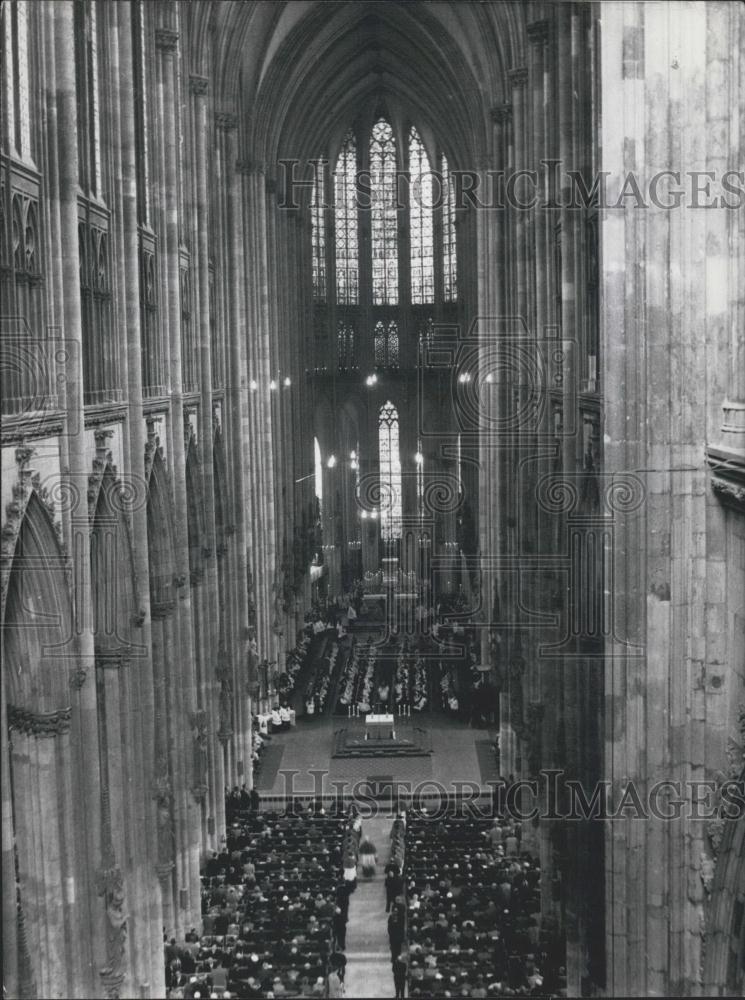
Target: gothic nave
point(368, 361)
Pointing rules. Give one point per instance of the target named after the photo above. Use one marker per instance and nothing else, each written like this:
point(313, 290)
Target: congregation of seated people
point(473, 900)
point(274, 906)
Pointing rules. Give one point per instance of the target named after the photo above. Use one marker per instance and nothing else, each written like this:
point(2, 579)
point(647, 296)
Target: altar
point(379, 727)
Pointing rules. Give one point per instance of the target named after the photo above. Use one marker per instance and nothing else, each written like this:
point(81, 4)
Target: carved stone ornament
point(225, 677)
point(163, 796)
point(727, 468)
point(501, 114)
point(39, 724)
point(198, 721)
point(28, 482)
point(198, 85)
point(110, 885)
point(166, 40)
point(226, 121)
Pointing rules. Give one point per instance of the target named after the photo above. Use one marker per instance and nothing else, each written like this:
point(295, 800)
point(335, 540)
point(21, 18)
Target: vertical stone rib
point(85, 713)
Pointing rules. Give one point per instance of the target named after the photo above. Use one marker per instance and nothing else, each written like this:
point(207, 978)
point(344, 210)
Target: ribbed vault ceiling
point(298, 73)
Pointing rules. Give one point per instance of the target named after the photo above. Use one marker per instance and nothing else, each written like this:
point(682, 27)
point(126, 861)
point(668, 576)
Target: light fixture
point(354, 464)
point(331, 462)
point(363, 515)
point(353, 455)
point(464, 377)
point(273, 385)
point(253, 385)
point(287, 382)
point(419, 458)
point(371, 380)
point(374, 515)
point(490, 377)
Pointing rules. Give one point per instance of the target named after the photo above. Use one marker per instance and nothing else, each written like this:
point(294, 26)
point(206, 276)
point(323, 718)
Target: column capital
point(39, 723)
point(501, 113)
point(166, 39)
point(518, 77)
point(226, 121)
point(198, 85)
point(538, 32)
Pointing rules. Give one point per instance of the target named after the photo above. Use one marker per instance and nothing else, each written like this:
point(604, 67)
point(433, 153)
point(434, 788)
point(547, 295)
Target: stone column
point(238, 382)
point(207, 695)
point(725, 250)
point(544, 682)
point(182, 703)
point(148, 957)
point(11, 965)
point(84, 703)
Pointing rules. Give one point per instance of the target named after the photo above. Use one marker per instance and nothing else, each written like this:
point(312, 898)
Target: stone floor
point(305, 763)
point(369, 972)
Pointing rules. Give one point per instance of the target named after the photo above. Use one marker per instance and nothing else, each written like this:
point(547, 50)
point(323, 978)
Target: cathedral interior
point(373, 411)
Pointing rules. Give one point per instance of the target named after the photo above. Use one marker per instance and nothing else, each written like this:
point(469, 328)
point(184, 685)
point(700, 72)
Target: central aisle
point(369, 972)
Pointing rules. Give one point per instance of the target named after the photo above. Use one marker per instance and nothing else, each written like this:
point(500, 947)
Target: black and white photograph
point(372, 544)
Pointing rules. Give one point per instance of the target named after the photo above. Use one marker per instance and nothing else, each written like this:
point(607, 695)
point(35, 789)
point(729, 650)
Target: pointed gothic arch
point(114, 599)
point(37, 614)
point(37, 674)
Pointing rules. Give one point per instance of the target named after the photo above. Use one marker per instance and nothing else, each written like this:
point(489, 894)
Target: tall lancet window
point(421, 200)
point(390, 472)
point(318, 471)
point(450, 270)
point(386, 344)
point(384, 215)
point(318, 235)
point(345, 228)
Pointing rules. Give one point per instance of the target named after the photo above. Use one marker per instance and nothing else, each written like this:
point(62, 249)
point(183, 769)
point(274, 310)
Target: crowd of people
point(295, 661)
point(258, 745)
point(319, 682)
point(462, 899)
point(473, 912)
point(356, 687)
point(274, 905)
point(411, 681)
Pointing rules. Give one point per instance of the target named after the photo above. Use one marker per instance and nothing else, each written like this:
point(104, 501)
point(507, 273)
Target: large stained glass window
point(421, 201)
point(386, 344)
point(390, 472)
point(450, 270)
point(384, 215)
point(318, 235)
point(345, 228)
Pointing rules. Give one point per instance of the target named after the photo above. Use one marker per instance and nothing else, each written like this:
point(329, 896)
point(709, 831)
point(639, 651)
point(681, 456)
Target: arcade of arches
point(313, 299)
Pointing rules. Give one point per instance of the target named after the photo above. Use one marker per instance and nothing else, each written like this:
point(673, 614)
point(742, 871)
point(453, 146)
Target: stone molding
point(166, 39)
point(198, 85)
point(727, 476)
point(537, 32)
point(518, 77)
point(501, 114)
point(40, 724)
point(226, 121)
